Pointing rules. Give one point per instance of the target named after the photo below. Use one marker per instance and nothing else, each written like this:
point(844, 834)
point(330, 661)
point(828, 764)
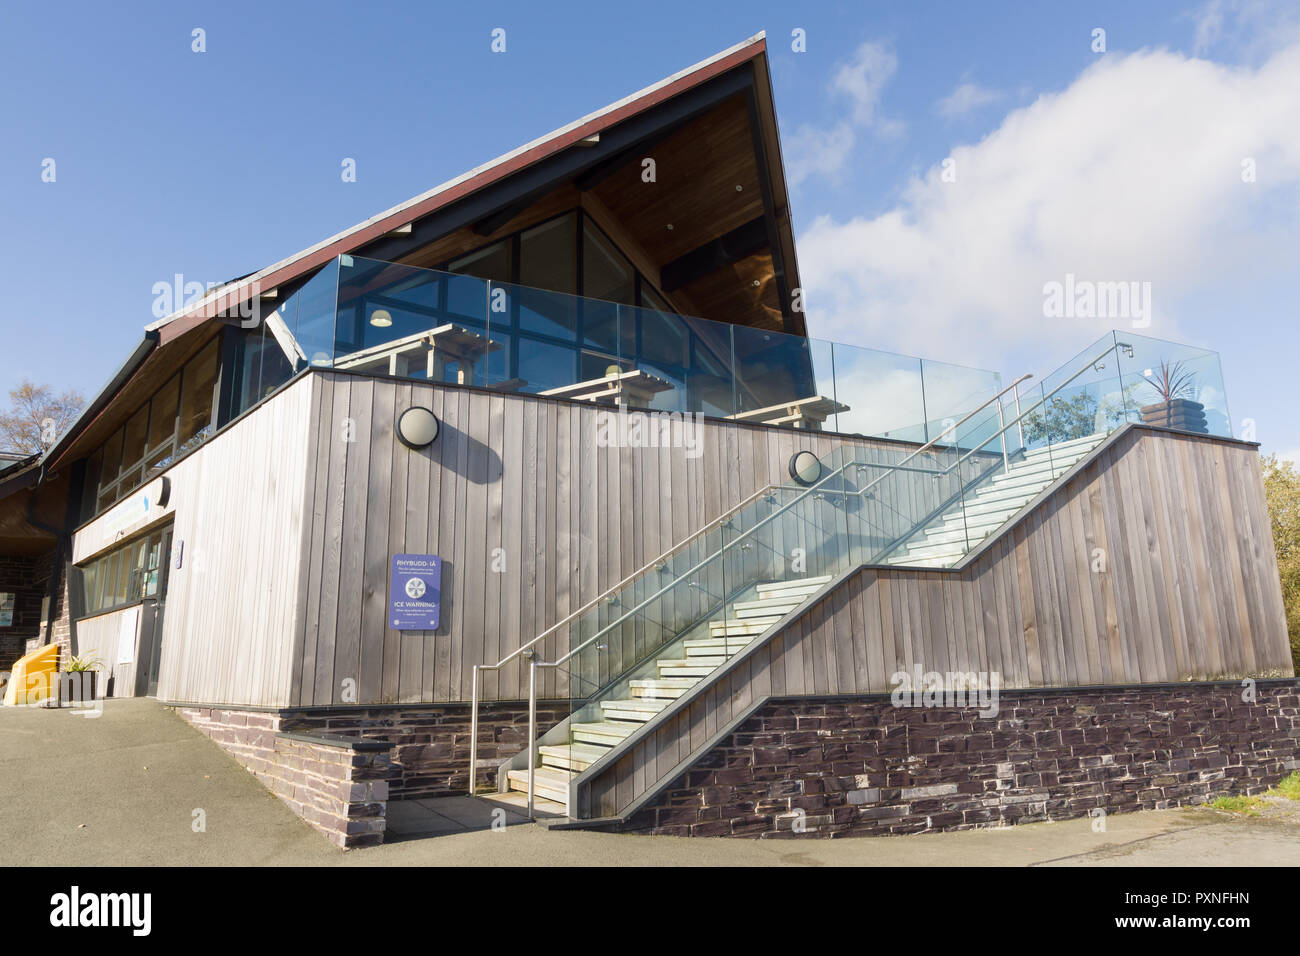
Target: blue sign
point(414, 592)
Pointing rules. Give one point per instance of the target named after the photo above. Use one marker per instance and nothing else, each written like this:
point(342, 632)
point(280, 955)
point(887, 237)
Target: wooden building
point(548, 447)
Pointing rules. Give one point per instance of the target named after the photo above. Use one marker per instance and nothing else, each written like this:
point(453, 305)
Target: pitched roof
point(297, 265)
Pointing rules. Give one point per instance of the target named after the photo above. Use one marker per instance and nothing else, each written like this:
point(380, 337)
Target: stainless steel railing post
point(473, 735)
point(532, 732)
point(1002, 427)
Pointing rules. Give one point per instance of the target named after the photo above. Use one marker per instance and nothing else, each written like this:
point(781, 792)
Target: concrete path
point(123, 789)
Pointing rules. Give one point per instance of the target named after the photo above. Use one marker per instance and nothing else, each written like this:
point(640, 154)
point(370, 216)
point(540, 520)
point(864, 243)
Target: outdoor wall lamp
point(805, 467)
point(417, 427)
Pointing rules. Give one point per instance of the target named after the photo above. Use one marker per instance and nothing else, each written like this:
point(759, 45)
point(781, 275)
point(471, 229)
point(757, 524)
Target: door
point(155, 602)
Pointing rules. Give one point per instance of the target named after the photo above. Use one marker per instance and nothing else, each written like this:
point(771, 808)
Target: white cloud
point(1250, 27)
point(821, 152)
point(824, 151)
point(1132, 173)
point(1209, 25)
point(863, 78)
point(965, 98)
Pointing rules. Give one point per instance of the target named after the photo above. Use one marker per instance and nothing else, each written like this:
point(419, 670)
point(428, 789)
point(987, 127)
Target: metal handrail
point(526, 649)
point(1021, 416)
point(534, 665)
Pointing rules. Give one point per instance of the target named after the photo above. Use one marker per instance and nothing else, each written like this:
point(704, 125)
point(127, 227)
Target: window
point(134, 436)
point(127, 574)
point(547, 256)
point(177, 418)
point(197, 382)
point(260, 366)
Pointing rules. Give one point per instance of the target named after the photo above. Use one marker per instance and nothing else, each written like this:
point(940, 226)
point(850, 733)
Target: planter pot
point(78, 687)
point(1181, 413)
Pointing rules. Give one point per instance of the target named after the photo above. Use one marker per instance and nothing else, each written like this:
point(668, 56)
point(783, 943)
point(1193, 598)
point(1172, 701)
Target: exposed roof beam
point(732, 247)
point(491, 223)
point(534, 181)
point(773, 218)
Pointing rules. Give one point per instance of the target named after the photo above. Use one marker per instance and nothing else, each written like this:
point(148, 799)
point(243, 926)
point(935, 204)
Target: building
point(547, 453)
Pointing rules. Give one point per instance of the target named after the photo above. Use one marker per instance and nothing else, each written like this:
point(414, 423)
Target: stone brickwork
point(430, 755)
point(846, 767)
point(338, 768)
point(338, 785)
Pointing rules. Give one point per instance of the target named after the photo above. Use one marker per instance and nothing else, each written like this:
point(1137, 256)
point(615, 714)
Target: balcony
point(383, 318)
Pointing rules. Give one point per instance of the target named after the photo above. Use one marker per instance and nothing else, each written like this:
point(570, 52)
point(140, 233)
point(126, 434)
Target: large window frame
point(646, 297)
point(101, 492)
point(127, 575)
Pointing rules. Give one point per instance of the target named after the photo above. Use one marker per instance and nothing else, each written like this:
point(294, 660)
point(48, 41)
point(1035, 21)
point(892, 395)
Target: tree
point(36, 417)
point(1282, 491)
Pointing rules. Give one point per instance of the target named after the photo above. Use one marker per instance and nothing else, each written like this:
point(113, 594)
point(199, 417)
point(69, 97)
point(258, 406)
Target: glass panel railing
point(1175, 386)
point(676, 622)
point(951, 392)
point(881, 394)
point(390, 319)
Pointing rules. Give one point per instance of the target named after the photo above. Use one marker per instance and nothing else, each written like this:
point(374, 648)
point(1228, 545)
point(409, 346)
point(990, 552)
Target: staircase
point(635, 652)
point(699, 657)
point(989, 505)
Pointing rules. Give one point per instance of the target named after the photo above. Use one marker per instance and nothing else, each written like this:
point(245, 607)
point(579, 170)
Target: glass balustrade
point(366, 315)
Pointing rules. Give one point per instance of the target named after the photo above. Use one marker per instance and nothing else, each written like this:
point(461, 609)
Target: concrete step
point(768, 608)
point(638, 709)
point(665, 688)
point(792, 591)
point(607, 733)
point(570, 756)
point(911, 562)
point(734, 628)
point(716, 646)
point(1074, 445)
point(1021, 472)
point(777, 588)
point(549, 782)
point(979, 512)
point(694, 667)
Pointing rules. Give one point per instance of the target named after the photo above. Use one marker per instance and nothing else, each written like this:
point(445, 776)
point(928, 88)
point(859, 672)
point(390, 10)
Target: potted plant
point(1174, 386)
point(80, 679)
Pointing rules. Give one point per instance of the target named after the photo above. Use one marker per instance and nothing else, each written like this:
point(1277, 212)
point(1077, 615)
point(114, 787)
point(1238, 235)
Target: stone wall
point(860, 766)
point(338, 785)
point(430, 755)
point(337, 769)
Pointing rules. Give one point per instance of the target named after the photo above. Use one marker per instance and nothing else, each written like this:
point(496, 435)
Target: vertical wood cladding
point(530, 514)
point(1185, 588)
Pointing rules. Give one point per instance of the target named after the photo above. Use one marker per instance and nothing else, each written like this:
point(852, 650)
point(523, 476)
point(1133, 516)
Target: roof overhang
point(581, 133)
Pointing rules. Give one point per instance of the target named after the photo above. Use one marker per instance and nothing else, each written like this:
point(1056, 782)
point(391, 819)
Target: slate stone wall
point(846, 767)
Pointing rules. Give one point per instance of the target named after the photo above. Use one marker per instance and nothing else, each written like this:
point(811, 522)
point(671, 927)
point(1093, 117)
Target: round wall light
point(805, 468)
point(381, 318)
point(417, 427)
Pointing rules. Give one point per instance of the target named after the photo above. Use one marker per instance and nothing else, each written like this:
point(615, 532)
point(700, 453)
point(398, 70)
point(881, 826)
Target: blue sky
point(1115, 165)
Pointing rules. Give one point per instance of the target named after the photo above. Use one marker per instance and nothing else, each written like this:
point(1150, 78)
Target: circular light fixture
point(417, 427)
point(380, 318)
point(805, 468)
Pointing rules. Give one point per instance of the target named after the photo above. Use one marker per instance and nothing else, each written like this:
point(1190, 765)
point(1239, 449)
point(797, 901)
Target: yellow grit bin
point(33, 677)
